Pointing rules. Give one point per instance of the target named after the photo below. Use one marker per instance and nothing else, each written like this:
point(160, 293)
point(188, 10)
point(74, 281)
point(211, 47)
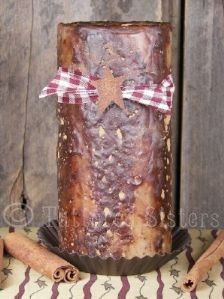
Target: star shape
point(107, 286)
point(7, 271)
point(41, 283)
point(174, 272)
point(109, 90)
point(142, 278)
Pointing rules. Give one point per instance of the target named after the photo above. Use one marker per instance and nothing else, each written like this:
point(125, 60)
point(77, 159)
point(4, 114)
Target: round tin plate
point(48, 235)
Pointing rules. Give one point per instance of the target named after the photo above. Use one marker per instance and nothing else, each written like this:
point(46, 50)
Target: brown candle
point(114, 162)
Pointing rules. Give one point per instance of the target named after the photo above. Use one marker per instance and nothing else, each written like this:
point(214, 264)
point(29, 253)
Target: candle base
point(48, 235)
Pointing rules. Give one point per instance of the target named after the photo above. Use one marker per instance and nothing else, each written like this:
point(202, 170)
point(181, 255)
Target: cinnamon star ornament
point(109, 90)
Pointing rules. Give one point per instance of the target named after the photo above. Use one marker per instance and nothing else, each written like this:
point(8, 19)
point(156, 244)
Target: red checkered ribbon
point(73, 87)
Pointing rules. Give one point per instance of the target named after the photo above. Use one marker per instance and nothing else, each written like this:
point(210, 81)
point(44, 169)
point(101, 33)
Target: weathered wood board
point(15, 29)
point(202, 162)
point(33, 26)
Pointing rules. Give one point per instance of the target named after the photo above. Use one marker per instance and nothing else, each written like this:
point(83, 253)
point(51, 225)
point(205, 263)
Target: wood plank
point(172, 11)
point(202, 162)
point(14, 62)
point(41, 127)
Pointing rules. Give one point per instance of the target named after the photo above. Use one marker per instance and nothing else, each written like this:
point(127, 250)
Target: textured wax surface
point(114, 167)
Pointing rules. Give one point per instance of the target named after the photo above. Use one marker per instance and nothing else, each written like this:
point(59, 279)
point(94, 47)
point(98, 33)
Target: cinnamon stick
point(39, 258)
point(209, 258)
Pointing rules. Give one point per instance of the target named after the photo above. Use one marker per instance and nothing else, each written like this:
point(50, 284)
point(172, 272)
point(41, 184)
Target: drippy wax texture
point(114, 181)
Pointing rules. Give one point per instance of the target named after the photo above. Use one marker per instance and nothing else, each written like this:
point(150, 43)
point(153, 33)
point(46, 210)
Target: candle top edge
point(105, 24)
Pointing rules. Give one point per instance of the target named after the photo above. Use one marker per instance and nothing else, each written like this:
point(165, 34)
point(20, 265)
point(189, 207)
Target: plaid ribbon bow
point(73, 87)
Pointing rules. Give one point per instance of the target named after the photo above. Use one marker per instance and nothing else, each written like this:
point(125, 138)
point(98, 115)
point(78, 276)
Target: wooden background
point(28, 127)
